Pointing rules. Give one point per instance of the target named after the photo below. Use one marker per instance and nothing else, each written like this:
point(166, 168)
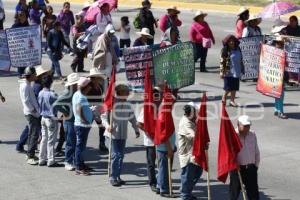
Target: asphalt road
point(279, 173)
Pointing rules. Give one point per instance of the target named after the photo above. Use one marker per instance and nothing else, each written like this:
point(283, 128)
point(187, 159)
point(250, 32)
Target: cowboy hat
point(40, 70)
point(72, 79)
point(95, 72)
point(146, 32)
point(199, 13)
point(173, 8)
point(242, 10)
point(253, 17)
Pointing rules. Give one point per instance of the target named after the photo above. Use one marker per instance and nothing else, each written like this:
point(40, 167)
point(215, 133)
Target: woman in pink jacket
point(202, 38)
point(243, 16)
point(170, 20)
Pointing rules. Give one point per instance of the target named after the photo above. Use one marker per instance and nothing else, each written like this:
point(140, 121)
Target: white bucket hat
point(40, 70)
point(244, 120)
point(95, 72)
point(145, 31)
point(199, 13)
point(72, 79)
point(242, 10)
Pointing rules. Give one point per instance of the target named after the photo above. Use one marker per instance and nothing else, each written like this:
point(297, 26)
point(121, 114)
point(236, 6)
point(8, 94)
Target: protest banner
point(25, 46)
point(271, 71)
point(292, 48)
point(136, 60)
point(4, 54)
point(250, 48)
point(175, 64)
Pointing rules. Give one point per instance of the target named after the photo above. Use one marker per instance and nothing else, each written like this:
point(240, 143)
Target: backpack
point(137, 21)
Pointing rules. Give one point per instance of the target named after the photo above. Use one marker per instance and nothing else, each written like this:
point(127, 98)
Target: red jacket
point(199, 31)
point(163, 24)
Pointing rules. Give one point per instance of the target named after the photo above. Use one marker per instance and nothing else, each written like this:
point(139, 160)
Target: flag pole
point(208, 177)
point(242, 185)
point(110, 145)
point(170, 177)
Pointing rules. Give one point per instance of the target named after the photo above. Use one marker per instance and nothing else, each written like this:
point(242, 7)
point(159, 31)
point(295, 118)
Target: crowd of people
point(79, 106)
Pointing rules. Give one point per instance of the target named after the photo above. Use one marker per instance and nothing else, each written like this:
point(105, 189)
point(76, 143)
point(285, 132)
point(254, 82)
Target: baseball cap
point(244, 120)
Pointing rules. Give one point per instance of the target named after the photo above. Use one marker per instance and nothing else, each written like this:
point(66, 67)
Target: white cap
point(244, 120)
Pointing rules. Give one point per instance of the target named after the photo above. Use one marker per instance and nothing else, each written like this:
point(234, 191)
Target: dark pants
point(150, 41)
point(81, 140)
point(101, 136)
point(117, 156)
point(249, 177)
point(78, 61)
point(1, 24)
point(200, 52)
point(62, 138)
point(70, 142)
point(190, 175)
point(33, 134)
point(151, 157)
point(124, 43)
point(23, 139)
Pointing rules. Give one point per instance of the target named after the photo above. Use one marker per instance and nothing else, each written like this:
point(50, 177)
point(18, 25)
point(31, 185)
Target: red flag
point(229, 147)
point(164, 124)
point(149, 109)
point(201, 136)
point(109, 96)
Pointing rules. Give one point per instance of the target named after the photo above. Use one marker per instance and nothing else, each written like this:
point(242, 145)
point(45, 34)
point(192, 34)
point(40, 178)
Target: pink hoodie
point(198, 31)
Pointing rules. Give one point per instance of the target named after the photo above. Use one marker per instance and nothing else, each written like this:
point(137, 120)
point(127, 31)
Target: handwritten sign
point(175, 64)
point(271, 71)
point(4, 53)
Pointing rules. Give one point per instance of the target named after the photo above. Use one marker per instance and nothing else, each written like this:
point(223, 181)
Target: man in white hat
point(144, 37)
point(83, 120)
point(170, 19)
point(64, 105)
point(248, 160)
point(252, 29)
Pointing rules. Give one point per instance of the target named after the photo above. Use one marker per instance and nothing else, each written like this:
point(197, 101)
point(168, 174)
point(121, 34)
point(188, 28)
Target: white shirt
point(147, 141)
point(29, 101)
point(102, 21)
point(125, 32)
point(251, 32)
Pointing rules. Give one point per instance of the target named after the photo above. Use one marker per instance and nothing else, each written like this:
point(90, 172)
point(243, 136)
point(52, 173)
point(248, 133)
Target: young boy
point(122, 113)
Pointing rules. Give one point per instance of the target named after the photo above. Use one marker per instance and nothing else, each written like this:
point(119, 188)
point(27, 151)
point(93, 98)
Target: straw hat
point(253, 17)
point(242, 10)
point(146, 32)
point(72, 79)
point(173, 8)
point(199, 13)
point(86, 5)
point(83, 82)
point(40, 70)
point(95, 72)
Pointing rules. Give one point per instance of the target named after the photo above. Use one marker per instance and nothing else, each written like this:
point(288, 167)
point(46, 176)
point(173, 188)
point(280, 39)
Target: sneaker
point(32, 161)
point(282, 116)
point(165, 194)
point(42, 163)
point(115, 183)
point(82, 172)
point(69, 167)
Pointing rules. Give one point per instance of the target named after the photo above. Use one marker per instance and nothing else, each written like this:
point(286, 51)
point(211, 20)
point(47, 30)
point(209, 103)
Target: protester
point(103, 18)
point(170, 20)
point(147, 19)
point(144, 37)
point(66, 18)
point(49, 124)
point(31, 112)
point(190, 170)
point(20, 21)
point(2, 15)
point(231, 68)
point(202, 38)
point(77, 31)
point(55, 39)
point(22, 6)
point(148, 142)
point(243, 16)
point(83, 120)
point(124, 33)
point(252, 28)
point(43, 6)
point(64, 105)
point(35, 14)
point(248, 160)
point(95, 97)
point(117, 130)
point(104, 54)
point(170, 37)
point(48, 22)
point(293, 28)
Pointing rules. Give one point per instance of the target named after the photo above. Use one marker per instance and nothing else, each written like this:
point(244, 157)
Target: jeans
point(23, 139)
point(163, 176)
point(67, 37)
point(249, 177)
point(279, 103)
point(190, 175)
point(78, 61)
point(123, 43)
point(200, 52)
point(49, 133)
point(81, 140)
point(117, 156)
point(151, 157)
point(62, 138)
point(33, 134)
point(55, 64)
point(70, 142)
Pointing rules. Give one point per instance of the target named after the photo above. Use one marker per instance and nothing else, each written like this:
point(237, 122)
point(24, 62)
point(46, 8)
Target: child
point(125, 33)
point(77, 31)
point(35, 14)
point(49, 124)
point(122, 113)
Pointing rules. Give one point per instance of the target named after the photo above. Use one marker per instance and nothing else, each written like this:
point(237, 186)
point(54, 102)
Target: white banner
point(4, 54)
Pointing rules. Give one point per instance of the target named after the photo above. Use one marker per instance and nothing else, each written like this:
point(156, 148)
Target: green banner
point(175, 64)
